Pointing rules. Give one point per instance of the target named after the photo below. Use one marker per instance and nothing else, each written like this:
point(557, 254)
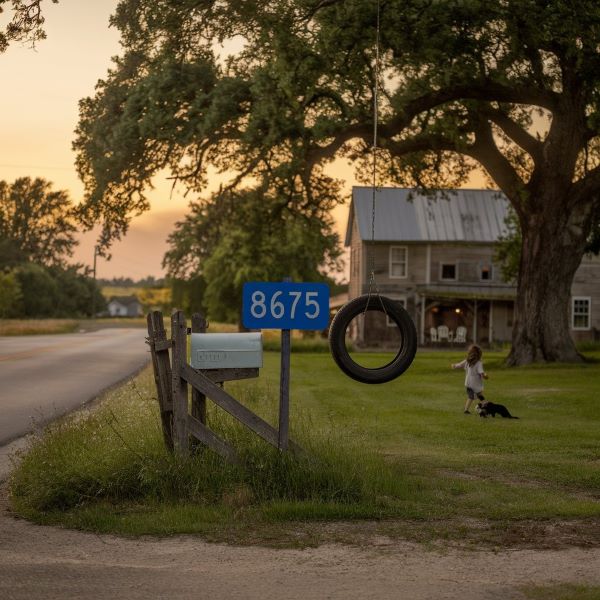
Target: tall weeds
point(116, 454)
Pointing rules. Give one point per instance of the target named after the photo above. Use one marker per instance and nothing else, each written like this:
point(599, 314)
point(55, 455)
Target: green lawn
point(398, 459)
point(417, 421)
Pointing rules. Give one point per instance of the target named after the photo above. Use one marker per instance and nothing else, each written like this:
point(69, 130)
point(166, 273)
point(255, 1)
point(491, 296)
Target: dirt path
point(47, 562)
point(53, 563)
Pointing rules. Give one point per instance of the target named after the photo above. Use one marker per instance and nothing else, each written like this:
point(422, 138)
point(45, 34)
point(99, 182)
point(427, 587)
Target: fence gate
point(182, 429)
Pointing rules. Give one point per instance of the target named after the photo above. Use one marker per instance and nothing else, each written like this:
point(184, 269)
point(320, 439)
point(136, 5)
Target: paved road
point(46, 376)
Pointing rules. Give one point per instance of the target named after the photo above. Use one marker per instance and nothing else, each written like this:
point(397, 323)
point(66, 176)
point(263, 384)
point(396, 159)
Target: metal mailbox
point(226, 350)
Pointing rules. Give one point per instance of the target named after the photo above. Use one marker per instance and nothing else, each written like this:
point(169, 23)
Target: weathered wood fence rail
point(182, 429)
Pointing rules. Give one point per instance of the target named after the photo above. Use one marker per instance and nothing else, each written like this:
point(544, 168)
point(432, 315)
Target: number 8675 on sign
point(285, 305)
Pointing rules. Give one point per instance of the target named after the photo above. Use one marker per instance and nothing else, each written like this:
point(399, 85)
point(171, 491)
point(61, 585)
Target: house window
point(486, 273)
point(581, 312)
point(402, 302)
point(398, 262)
point(448, 271)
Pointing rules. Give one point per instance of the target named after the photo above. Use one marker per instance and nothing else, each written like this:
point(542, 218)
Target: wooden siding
point(586, 283)
point(357, 270)
point(469, 259)
point(502, 321)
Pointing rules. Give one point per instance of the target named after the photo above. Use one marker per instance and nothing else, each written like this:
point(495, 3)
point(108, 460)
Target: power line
point(54, 167)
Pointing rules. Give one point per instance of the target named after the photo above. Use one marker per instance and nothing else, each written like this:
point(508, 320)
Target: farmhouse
point(124, 306)
point(435, 255)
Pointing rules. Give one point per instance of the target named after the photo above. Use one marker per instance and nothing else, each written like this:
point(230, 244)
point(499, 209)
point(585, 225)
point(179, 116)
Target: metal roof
point(405, 215)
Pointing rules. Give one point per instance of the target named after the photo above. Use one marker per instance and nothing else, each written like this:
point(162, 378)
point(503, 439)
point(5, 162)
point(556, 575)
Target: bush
point(56, 292)
point(10, 295)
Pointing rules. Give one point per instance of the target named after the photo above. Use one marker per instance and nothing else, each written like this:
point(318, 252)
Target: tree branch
point(488, 91)
point(515, 132)
point(423, 143)
point(358, 130)
point(486, 152)
point(587, 187)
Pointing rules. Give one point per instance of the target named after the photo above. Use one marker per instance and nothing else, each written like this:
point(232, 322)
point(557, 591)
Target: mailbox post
point(286, 306)
point(284, 389)
point(215, 358)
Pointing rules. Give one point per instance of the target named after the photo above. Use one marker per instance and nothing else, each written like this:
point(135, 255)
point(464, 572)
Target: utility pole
point(94, 287)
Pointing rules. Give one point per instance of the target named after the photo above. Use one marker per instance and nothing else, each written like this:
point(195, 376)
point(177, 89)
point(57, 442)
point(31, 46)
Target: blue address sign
point(285, 305)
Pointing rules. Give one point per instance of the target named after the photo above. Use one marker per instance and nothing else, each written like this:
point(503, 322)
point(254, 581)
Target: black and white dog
point(486, 408)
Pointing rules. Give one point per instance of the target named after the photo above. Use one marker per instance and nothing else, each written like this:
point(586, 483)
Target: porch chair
point(433, 334)
point(443, 333)
point(460, 336)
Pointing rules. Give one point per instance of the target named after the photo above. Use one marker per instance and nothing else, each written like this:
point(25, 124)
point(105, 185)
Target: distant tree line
point(37, 236)
point(146, 282)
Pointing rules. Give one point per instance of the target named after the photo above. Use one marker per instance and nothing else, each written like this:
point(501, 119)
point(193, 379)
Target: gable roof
point(405, 215)
point(124, 300)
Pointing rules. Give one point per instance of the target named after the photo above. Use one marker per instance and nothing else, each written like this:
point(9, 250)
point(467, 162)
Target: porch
point(448, 315)
point(444, 316)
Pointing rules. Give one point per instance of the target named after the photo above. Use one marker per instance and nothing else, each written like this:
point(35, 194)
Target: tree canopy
point(26, 23)
point(510, 86)
point(37, 238)
point(248, 236)
point(37, 224)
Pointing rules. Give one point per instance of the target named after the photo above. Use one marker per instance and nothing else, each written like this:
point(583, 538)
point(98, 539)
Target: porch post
point(423, 320)
point(475, 321)
point(491, 316)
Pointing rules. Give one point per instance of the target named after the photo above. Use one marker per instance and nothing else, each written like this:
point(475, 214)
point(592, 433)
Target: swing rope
point(372, 282)
point(360, 305)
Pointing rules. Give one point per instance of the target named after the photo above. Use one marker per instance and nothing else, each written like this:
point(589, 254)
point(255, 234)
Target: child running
point(474, 375)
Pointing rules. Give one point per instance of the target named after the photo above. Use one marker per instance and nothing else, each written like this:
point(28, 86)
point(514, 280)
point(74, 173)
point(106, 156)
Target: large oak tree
point(508, 85)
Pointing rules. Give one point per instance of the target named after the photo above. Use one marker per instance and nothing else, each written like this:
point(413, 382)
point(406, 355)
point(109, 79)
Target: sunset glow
point(39, 112)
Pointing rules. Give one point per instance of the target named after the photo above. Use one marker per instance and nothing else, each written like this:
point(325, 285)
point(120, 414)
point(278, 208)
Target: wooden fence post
point(159, 349)
point(172, 388)
point(179, 385)
point(198, 398)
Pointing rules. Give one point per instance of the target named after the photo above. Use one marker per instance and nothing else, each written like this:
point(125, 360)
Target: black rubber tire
point(337, 339)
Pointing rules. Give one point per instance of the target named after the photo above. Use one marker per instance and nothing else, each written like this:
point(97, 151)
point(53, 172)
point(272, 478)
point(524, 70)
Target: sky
point(41, 88)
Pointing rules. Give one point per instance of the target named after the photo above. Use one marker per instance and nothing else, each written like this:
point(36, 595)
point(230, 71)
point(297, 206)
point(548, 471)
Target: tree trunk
point(553, 245)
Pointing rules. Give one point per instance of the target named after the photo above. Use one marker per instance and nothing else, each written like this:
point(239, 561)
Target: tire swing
point(396, 313)
point(373, 302)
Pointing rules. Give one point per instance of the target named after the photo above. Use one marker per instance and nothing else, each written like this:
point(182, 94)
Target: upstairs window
point(486, 272)
point(581, 312)
point(398, 262)
point(448, 272)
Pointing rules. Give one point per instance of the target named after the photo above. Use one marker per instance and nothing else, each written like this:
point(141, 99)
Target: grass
point(562, 592)
point(15, 327)
point(398, 459)
point(18, 327)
